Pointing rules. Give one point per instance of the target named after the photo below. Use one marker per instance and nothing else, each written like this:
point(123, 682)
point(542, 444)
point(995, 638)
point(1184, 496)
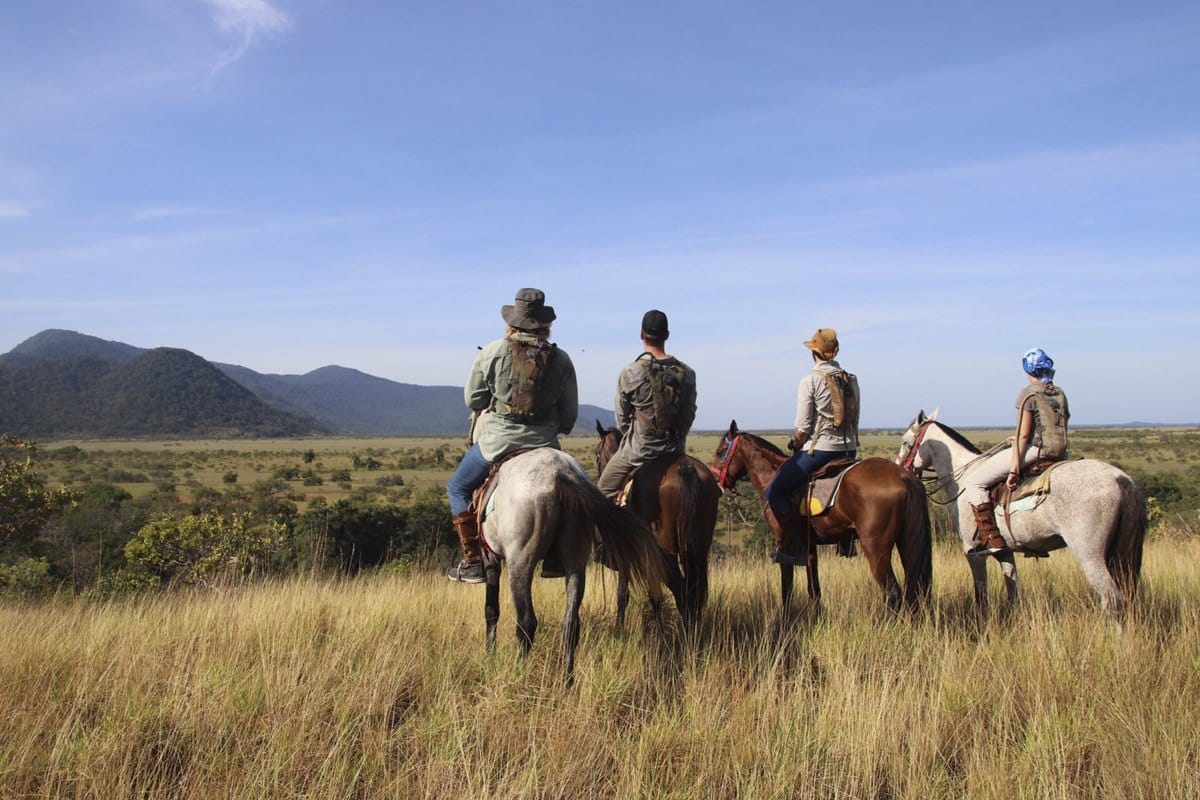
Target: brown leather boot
point(470, 569)
point(986, 530)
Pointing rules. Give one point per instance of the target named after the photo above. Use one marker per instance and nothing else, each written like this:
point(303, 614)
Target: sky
point(286, 184)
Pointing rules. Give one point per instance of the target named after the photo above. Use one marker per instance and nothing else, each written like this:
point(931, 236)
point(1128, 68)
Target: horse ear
point(600, 428)
point(921, 417)
point(933, 416)
point(732, 427)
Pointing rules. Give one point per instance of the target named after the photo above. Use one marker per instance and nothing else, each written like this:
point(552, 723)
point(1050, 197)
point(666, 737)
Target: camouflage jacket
point(635, 402)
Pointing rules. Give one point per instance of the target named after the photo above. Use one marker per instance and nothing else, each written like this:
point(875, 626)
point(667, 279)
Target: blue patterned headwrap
point(1038, 364)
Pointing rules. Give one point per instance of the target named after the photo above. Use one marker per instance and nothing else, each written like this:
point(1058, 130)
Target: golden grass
point(379, 687)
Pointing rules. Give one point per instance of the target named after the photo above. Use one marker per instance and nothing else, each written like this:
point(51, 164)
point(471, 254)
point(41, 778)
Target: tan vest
point(1050, 415)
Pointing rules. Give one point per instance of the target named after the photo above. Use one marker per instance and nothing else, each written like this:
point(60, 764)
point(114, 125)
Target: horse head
point(723, 467)
point(909, 457)
point(610, 440)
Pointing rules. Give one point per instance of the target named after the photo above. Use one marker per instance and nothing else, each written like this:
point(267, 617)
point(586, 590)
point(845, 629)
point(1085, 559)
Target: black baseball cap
point(654, 323)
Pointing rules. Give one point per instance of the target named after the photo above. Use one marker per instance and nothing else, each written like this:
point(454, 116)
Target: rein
point(722, 475)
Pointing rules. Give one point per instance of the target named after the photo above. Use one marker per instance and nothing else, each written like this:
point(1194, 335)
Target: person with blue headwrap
point(1040, 437)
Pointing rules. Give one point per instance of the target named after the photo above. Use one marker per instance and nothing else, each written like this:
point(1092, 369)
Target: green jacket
point(490, 380)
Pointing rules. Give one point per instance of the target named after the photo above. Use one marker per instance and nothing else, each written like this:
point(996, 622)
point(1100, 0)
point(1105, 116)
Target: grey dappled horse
point(1093, 508)
point(546, 503)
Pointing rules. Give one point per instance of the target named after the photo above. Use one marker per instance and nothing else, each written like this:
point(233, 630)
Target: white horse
point(1093, 508)
point(544, 502)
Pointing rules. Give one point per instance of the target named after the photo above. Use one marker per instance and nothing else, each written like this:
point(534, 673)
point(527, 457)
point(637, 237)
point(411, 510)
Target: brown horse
point(878, 502)
point(678, 497)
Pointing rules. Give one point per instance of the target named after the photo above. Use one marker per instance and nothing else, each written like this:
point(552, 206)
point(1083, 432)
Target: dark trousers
point(794, 473)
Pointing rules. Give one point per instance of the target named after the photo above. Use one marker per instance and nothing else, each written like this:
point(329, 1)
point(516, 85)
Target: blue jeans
point(793, 474)
point(468, 477)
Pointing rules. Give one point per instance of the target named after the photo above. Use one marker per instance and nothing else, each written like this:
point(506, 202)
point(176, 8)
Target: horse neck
point(761, 463)
point(947, 456)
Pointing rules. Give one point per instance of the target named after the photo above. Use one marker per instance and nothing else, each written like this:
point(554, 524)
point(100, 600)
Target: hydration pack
point(1050, 421)
point(843, 400)
point(666, 391)
point(530, 399)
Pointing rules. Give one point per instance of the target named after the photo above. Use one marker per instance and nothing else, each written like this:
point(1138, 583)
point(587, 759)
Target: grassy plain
point(379, 687)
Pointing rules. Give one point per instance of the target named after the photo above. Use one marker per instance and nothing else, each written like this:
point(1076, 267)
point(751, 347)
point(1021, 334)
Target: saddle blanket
point(821, 493)
point(1029, 493)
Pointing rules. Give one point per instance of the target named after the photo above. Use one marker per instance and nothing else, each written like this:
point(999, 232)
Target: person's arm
point(623, 403)
point(806, 413)
point(477, 394)
point(568, 403)
point(1020, 443)
point(687, 406)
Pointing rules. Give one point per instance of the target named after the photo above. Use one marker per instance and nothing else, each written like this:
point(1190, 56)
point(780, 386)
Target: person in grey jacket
point(655, 406)
point(528, 386)
point(816, 439)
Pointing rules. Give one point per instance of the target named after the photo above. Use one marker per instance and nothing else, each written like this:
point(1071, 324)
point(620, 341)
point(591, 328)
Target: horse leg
point(520, 584)
point(675, 582)
point(785, 583)
point(491, 603)
point(1112, 600)
point(1008, 567)
point(879, 557)
point(622, 598)
point(978, 565)
point(576, 581)
point(814, 573)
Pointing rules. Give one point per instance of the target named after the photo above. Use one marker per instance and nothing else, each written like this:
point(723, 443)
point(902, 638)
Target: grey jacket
point(814, 413)
point(634, 393)
point(491, 379)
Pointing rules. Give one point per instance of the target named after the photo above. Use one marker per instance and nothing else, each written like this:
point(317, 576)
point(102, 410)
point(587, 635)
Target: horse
point(678, 497)
point(1093, 508)
point(878, 502)
point(544, 502)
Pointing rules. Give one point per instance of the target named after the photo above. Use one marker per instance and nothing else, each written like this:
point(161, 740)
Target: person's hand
point(1013, 480)
point(1011, 440)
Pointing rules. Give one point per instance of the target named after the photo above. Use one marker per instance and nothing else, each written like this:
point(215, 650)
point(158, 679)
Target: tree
point(25, 502)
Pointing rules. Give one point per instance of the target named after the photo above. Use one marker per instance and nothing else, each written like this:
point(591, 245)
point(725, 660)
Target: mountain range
point(61, 383)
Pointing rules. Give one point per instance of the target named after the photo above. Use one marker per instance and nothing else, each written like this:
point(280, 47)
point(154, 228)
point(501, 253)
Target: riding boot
point(470, 569)
point(987, 533)
point(788, 542)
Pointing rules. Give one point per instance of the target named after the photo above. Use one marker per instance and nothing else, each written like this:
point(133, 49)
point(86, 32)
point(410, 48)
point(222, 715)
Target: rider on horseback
point(827, 406)
point(1041, 436)
point(655, 406)
point(529, 386)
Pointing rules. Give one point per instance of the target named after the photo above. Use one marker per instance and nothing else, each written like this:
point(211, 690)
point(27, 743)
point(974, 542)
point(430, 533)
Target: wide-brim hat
point(529, 311)
point(824, 343)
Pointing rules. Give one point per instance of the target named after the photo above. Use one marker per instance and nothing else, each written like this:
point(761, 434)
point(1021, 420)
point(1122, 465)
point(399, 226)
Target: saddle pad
point(824, 493)
point(1033, 487)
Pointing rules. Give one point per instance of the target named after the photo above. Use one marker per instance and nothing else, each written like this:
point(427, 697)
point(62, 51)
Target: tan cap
point(824, 343)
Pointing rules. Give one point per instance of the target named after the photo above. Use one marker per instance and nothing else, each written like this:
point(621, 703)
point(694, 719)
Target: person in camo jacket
point(527, 384)
point(655, 384)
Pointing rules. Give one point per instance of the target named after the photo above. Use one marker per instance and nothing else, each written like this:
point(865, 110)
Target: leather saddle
point(820, 493)
point(480, 500)
point(1034, 483)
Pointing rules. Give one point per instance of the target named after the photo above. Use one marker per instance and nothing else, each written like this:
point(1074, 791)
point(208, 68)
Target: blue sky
point(286, 184)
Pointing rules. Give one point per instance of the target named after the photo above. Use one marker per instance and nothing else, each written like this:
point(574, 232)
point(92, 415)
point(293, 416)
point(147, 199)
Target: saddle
point(651, 470)
point(1035, 483)
point(819, 495)
point(481, 498)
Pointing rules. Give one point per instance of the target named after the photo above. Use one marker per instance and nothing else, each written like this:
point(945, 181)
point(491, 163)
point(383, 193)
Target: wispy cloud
point(246, 21)
point(169, 212)
point(13, 211)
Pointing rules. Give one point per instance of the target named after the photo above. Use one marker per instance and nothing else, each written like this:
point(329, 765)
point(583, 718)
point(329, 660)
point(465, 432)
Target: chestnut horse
point(677, 496)
point(878, 502)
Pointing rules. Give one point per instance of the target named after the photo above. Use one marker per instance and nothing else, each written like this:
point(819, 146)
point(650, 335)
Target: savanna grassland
point(377, 685)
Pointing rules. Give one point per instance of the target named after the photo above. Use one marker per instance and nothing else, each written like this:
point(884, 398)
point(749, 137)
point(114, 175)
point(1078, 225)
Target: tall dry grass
point(379, 687)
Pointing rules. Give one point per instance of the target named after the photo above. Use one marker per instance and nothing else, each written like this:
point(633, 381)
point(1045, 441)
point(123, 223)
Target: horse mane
point(774, 449)
point(958, 437)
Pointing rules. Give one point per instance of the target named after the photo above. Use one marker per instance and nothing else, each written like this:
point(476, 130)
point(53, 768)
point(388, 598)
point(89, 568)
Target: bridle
point(907, 463)
point(722, 475)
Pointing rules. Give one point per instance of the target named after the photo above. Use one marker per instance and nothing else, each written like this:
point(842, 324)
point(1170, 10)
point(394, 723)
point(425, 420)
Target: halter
point(907, 466)
point(722, 475)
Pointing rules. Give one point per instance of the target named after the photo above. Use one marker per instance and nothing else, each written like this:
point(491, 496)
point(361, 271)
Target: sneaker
point(466, 572)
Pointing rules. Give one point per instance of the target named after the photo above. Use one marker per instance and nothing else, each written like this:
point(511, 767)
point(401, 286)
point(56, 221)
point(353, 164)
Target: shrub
point(199, 550)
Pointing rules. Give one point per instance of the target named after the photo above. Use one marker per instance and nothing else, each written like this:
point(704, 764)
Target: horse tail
point(627, 540)
point(915, 542)
point(1123, 557)
point(693, 543)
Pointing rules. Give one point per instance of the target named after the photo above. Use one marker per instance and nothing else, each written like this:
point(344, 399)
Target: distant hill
point(162, 392)
point(334, 399)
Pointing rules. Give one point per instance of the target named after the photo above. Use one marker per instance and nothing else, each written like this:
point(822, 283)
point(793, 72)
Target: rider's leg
point(469, 475)
point(617, 471)
point(977, 484)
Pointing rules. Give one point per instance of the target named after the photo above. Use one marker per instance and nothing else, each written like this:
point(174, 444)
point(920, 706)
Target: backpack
point(844, 400)
point(1050, 421)
point(529, 398)
point(666, 391)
